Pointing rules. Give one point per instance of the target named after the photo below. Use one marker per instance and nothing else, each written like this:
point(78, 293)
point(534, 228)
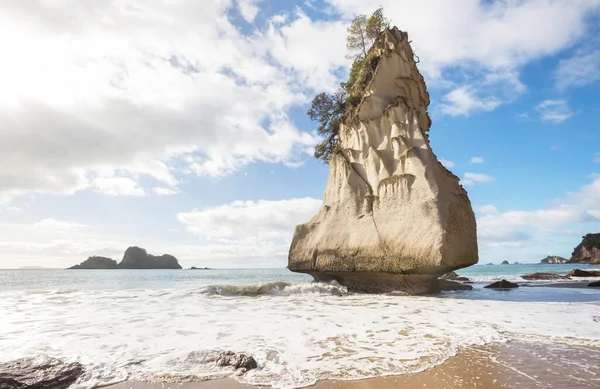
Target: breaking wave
point(276, 288)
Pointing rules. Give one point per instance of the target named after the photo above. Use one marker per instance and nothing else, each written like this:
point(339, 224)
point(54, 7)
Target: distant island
point(588, 251)
point(200, 268)
point(133, 258)
point(553, 260)
point(505, 263)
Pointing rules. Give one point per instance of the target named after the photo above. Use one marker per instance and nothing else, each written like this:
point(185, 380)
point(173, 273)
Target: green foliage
point(331, 110)
point(376, 24)
point(357, 42)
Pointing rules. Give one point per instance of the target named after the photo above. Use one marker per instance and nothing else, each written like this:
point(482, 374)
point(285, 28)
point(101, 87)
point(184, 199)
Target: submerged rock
point(393, 217)
point(588, 251)
point(583, 273)
point(236, 360)
point(503, 284)
point(553, 260)
point(544, 276)
point(445, 285)
point(96, 263)
point(452, 276)
point(38, 372)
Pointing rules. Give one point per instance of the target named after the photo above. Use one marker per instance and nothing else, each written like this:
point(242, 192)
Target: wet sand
point(511, 365)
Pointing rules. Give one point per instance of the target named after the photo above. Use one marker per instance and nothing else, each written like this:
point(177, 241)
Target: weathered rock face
point(138, 258)
point(38, 372)
point(96, 263)
point(393, 218)
point(553, 260)
point(237, 361)
point(588, 250)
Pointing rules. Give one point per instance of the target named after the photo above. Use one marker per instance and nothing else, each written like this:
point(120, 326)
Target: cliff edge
point(393, 218)
point(588, 251)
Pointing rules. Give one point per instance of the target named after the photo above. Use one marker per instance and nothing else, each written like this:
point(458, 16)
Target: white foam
point(298, 332)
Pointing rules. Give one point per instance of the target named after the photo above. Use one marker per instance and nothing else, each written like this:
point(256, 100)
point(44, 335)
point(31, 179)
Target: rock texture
point(237, 361)
point(583, 273)
point(543, 276)
point(553, 260)
point(134, 258)
point(138, 258)
point(452, 276)
point(393, 218)
point(96, 263)
point(503, 284)
point(588, 250)
point(38, 372)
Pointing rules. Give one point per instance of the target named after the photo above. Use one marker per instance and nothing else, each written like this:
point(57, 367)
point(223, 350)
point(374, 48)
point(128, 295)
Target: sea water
point(169, 325)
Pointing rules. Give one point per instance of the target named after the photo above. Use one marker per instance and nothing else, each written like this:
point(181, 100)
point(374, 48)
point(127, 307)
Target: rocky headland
point(393, 217)
point(133, 258)
point(588, 251)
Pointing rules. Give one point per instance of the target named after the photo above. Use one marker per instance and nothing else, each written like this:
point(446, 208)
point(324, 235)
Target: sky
point(180, 126)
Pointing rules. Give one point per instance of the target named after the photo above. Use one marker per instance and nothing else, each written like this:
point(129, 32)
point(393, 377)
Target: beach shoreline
point(514, 364)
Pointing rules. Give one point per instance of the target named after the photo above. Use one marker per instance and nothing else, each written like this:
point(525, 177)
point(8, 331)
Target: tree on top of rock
point(330, 110)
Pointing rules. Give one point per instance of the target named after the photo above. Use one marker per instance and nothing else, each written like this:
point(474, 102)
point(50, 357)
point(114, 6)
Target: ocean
point(168, 325)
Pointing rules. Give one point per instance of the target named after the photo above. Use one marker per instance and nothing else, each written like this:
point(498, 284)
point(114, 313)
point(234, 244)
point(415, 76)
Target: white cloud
point(597, 158)
point(476, 178)
point(582, 206)
point(52, 224)
point(580, 70)
point(488, 209)
point(261, 219)
point(477, 160)
point(554, 148)
point(248, 9)
point(463, 102)
point(117, 186)
point(446, 163)
point(130, 89)
point(13, 209)
point(556, 111)
point(164, 191)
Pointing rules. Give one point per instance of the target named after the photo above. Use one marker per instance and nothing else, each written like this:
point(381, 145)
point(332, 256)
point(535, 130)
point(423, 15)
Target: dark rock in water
point(38, 372)
point(553, 260)
point(452, 276)
point(502, 285)
point(588, 251)
point(199, 268)
point(594, 284)
point(583, 273)
point(445, 285)
point(237, 361)
point(490, 264)
point(138, 258)
point(544, 276)
point(505, 263)
point(96, 263)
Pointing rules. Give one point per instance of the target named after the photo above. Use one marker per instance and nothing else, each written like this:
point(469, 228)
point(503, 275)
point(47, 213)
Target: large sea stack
point(393, 217)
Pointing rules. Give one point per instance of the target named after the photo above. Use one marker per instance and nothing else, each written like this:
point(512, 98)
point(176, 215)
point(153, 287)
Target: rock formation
point(505, 263)
point(583, 273)
point(452, 276)
point(134, 258)
point(236, 360)
point(38, 372)
point(553, 260)
point(393, 217)
point(502, 284)
point(96, 263)
point(544, 276)
point(588, 250)
point(138, 258)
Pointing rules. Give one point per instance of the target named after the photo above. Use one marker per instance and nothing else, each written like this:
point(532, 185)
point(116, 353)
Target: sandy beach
point(508, 365)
